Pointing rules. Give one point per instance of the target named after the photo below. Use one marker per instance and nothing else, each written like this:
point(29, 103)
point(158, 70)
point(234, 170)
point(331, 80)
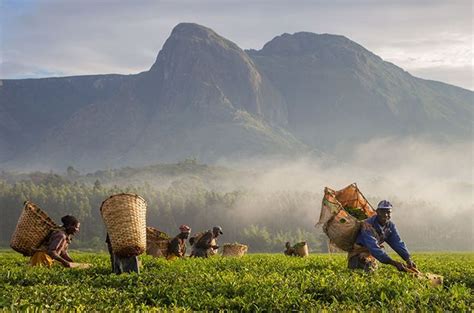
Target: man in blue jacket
point(368, 246)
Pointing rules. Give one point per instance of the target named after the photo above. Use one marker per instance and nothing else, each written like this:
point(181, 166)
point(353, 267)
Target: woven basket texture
point(302, 251)
point(342, 229)
point(124, 216)
point(234, 249)
point(32, 228)
point(156, 242)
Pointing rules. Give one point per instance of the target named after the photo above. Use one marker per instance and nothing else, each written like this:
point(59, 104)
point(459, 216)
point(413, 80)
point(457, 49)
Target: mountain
point(341, 93)
point(202, 98)
point(205, 97)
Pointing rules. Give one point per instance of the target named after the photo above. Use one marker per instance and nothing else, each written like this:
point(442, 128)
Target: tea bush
point(252, 283)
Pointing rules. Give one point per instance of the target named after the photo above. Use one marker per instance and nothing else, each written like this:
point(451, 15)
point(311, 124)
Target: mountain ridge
point(206, 97)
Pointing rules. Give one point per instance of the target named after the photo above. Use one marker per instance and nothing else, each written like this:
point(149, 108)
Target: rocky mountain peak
point(192, 38)
point(198, 63)
point(305, 43)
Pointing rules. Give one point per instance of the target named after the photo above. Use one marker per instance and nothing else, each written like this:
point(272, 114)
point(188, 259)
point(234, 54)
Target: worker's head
point(70, 224)
point(216, 231)
point(384, 212)
point(185, 230)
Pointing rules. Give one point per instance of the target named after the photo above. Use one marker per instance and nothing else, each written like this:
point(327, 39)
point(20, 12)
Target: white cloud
point(88, 37)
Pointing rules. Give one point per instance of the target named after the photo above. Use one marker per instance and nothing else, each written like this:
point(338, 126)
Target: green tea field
point(253, 283)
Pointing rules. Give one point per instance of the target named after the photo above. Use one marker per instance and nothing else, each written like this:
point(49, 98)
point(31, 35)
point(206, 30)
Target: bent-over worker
point(207, 243)
point(55, 247)
point(368, 246)
point(122, 264)
point(177, 245)
point(290, 251)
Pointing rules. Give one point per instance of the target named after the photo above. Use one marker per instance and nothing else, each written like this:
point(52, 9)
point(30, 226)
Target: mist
point(265, 202)
point(429, 184)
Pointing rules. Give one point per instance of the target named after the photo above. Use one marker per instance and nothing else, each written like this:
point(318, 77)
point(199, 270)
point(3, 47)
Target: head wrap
point(184, 229)
point(69, 220)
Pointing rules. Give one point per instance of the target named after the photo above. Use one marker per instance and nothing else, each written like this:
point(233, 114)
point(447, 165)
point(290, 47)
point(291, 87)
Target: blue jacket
point(372, 235)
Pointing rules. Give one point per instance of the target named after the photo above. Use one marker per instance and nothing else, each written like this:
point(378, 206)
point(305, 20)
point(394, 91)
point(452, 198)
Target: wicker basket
point(301, 249)
point(234, 249)
point(124, 216)
point(33, 226)
point(342, 230)
point(157, 242)
point(336, 216)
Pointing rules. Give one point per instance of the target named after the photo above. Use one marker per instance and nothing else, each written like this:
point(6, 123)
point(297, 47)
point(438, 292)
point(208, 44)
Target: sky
point(430, 39)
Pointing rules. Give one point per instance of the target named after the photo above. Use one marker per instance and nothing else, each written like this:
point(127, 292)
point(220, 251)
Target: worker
point(290, 251)
point(55, 246)
point(206, 244)
point(122, 264)
point(368, 246)
point(177, 245)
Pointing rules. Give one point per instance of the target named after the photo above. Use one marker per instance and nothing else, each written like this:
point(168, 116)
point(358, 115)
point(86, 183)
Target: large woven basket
point(342, 230)
point(33, 226)
point(234, 249)
point(157, 242)
point(342, 213)
point(124, 216)
point(301, 249)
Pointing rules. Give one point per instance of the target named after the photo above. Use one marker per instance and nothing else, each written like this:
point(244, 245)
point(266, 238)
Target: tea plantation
point(253, 283)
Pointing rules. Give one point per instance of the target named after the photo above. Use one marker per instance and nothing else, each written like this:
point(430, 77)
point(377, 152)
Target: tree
point(72, 173)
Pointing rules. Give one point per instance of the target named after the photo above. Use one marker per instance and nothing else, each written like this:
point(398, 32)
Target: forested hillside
point(202, 196)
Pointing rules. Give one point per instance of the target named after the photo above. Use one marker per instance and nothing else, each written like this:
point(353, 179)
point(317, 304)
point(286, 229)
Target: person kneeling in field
point(56, 245)
point(290, 251)
point(368, 246)
point(205, 245)
point(177, 245)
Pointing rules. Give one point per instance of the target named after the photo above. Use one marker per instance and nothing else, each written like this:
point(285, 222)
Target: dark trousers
point(122, 264)
point(360, 258)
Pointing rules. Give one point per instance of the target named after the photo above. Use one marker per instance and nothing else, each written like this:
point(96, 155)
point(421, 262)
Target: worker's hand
point(67, 264)
point(411, 264)
point(399, 266)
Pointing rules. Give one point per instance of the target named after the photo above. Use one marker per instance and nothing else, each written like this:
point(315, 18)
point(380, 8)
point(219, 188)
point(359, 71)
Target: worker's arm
point(65, 255)
point(56, 242)
point(370, 242)
point(397, 244)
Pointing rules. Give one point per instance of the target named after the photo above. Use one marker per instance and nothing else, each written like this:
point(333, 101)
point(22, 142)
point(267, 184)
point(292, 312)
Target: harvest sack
point(301, 249)
point(234, 249)
point(124, 216)
point(33, 226)
point(433, 279)
point(157, 242)
point(341, 215)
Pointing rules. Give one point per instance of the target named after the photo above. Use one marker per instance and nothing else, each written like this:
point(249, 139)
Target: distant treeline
point(266, 226)
point(194, 194)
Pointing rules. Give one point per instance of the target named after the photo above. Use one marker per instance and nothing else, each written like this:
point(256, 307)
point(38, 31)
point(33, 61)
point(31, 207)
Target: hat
point(69, 220)
point(384, 205)
point(185, 228)
point(217, 229)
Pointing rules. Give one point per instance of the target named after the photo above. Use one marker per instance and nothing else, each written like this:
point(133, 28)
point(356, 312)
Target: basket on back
point(341, 215)
point(124, 216)
point(157, 242)
point(33, 226)
point(196, 237)
point(234, 249)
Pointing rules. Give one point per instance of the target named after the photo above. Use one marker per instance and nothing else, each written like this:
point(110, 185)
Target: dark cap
point(384, 205)
point(217, 229)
